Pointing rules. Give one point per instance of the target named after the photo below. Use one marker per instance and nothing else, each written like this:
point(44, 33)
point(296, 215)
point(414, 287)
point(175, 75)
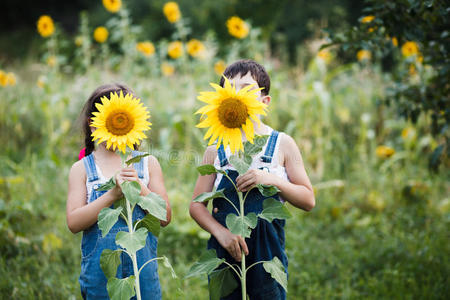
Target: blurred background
point(362, 87)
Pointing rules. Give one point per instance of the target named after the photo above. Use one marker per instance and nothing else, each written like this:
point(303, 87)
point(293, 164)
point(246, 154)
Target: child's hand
point(253, 177)
point(129, 174)
point(232, 243)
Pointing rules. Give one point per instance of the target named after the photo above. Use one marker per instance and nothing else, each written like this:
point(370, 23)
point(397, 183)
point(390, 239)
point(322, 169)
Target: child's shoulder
point(210, 154)
point(287, 143)
point(78, 169)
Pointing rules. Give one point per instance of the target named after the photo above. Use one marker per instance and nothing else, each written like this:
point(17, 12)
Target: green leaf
point(221, 283)
point(107, 186)
point(109, 261)
point(239, 164)
point(267, 190)
point(167, 264)
point(133, 241)
point(241, 226)
point(132, 191)
point(206, 169)
point(274, 209)
point(203, 197)
point(136, 159)
point(206, 264)
point(107, 218)
point(155, 205)
point(119, 289)
point(151, 223)
point(276, 269)
point(122, 203)
point(258, 143)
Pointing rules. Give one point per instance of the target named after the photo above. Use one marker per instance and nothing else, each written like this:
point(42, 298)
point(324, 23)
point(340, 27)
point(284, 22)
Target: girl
point(84, 204)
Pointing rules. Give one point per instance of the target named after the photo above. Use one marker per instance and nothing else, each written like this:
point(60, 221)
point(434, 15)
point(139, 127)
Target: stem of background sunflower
point(243, 268)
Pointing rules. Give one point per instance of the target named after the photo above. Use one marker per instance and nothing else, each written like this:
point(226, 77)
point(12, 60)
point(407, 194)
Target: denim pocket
point(89, 242)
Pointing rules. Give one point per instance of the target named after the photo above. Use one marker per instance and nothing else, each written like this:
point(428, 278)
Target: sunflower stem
point(243, 268)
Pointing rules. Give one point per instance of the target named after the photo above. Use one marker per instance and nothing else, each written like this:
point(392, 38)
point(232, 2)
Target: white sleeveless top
point(273, 167)
point(90, 185)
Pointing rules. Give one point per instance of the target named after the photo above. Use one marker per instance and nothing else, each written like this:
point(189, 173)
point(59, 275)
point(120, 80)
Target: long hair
point(89, 108)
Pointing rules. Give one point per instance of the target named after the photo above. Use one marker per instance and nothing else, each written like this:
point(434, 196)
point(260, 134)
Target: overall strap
point(91, 169)
point(139, 167)
point(222, 156)
point(267, 157)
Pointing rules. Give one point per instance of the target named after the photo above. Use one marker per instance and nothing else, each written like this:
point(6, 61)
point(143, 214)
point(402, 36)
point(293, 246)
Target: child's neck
point(261, 129)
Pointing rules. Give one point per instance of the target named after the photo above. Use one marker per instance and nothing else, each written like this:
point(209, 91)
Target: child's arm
point(198, 211)
point(298, 190)
point(79, 214)
point(156, 185)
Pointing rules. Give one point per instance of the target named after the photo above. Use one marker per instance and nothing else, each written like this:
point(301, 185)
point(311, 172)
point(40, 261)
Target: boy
point(279, 164)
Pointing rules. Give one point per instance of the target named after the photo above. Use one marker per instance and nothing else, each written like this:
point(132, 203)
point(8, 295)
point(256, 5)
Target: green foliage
point(240, 164)
point(206, 264)
point(241, 225)
point(154, 204)
point(136, 159)
point(221, 283)
point(151, 223)
point(267, 190)
point(418, 79)
point(203, 197)
point(276, 269)
point(107, 218)
point(132, 191)
point(107, 186)
point(274, 209)
point(119, 289)
point(110, 261)
point(132, 241)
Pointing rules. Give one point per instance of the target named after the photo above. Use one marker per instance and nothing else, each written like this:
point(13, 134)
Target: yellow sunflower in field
point(228, 112)
point(172, 11)
point(237, 27)
point(363, 55)
point(101, 34)
point(175, 49)
point(195, 48)
point(410, 48)
point(120, 121)
point(112, 5)
point(219, 67)
point(45, 26)
point(383, 151)
point(147, 48)
point(367, 19)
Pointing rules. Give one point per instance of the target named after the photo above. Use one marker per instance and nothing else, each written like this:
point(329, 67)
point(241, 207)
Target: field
point(380, 226)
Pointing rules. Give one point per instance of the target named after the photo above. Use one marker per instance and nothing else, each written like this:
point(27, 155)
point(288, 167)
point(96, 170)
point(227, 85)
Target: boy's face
point(247, 79)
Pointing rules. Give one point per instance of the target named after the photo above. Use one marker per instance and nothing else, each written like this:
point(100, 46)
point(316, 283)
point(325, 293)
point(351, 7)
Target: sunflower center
point(119, 122)
point(232, 113)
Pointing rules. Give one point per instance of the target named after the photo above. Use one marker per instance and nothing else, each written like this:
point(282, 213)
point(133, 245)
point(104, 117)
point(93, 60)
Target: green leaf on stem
point(136, 159)
point(206, 264)
point(241, 226)
point(274, 209)
point(258, 143)
point(132, 241)
point(203, 197)
point(107, 186)
point(167, 264)
point(119, 289)
point(276, 269)
point(109, 261)
point(122, 203)
point(151, 223)
point(132, 191)
point(267, 190)
point(221, 283)
point(107, 218)
point(239, 164)
point(206, 169)
point(155, 205)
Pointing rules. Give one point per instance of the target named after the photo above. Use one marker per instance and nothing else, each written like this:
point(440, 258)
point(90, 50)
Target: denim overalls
point(266, 241)
point(92, 279)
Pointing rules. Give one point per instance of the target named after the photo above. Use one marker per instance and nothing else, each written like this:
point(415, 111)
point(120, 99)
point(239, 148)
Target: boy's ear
point(266, 99)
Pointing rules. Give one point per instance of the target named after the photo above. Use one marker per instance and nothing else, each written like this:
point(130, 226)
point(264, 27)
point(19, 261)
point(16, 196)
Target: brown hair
point(244, 66)
point(89, 108)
